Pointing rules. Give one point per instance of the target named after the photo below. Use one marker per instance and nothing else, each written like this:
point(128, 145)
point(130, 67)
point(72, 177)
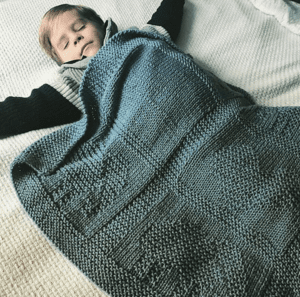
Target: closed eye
point(66, 45)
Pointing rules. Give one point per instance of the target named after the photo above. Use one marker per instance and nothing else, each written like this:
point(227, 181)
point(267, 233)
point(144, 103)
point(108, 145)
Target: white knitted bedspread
point(253, 44)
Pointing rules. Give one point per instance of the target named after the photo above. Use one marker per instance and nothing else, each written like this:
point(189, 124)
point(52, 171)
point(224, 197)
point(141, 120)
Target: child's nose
point(78, 39)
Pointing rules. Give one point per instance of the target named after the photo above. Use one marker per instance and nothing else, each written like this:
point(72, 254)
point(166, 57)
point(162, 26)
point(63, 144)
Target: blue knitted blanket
point(172, 183)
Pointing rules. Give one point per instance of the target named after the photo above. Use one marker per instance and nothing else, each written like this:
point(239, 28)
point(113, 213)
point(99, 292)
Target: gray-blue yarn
point(169, 185)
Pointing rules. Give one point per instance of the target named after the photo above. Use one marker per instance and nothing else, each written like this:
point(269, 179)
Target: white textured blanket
point(251, 44)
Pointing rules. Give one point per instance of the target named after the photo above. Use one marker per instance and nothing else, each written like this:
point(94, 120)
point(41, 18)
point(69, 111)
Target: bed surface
point(252, 44)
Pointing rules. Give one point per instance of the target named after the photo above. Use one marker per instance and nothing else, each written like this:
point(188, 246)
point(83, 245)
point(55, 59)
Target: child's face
point(72, 37)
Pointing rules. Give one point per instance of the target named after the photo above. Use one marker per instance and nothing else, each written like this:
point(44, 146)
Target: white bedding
point(253, 44)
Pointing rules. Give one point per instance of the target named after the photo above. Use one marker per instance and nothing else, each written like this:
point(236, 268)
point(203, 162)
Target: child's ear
point(55, 57)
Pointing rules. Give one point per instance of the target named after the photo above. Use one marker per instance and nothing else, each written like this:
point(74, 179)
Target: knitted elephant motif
point(85, 208)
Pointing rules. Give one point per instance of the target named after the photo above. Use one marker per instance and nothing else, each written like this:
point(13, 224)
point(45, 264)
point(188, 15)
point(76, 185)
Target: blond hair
point(45, 27)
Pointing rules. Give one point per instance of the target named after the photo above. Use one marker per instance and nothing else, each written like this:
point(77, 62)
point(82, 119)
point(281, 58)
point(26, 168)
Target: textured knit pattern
point(169, 185)
point(233, 39)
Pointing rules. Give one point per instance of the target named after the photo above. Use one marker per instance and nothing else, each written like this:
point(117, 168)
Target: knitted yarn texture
point(172, 183)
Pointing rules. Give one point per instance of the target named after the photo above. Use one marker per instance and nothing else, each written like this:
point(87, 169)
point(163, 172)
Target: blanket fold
point(172, 184)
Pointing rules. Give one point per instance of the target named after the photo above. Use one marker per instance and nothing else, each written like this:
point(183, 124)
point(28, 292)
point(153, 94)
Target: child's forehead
point(65, 20)
point(67, 17)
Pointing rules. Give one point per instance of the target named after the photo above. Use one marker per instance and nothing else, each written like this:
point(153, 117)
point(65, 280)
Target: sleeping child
point(72, 35)
point(169, 182)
